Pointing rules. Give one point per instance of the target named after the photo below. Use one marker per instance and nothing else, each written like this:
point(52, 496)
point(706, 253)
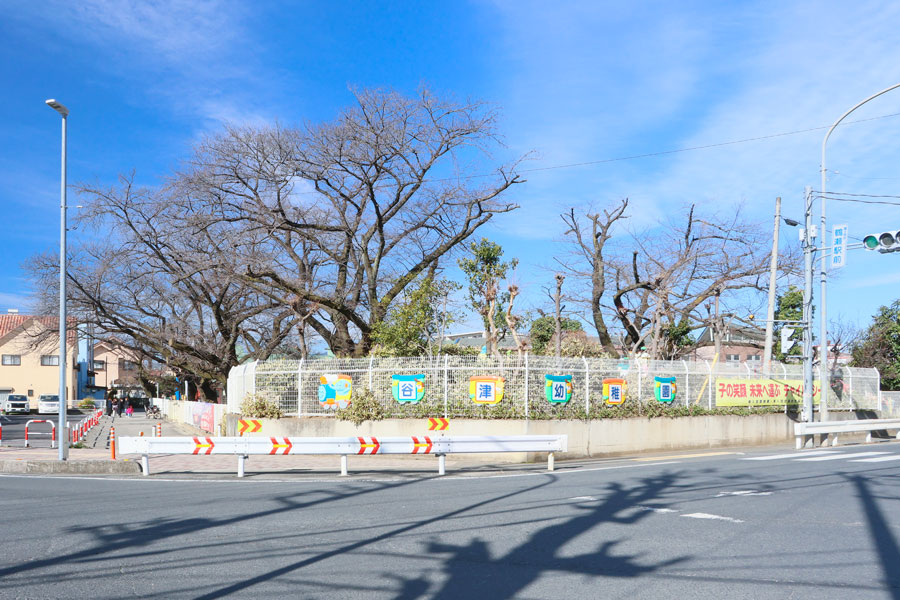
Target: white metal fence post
point(640, 382)
point(687, 383)
point(709, 391)
point(300, 389)
point(371, 360)
point(587, 387)
point(526, 385)
point(446, 382)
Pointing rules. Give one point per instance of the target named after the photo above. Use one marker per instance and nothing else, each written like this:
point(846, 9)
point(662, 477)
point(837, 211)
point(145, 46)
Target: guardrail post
point(442, 464)
point(550, 462)
point(145, 464)
point(241, 459)
point(343, 465)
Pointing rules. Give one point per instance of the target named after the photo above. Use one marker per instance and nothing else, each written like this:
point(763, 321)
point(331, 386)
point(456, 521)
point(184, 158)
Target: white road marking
point(583, 499)
point(836, 457)
point(792, 455)
point(743, 493)
point(879, 459)
point(712, 517)
point(658, 510)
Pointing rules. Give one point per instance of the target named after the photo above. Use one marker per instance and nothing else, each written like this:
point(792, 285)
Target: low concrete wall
point(603, 437)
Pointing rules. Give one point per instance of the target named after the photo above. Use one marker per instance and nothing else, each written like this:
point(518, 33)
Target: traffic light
point(889, 241)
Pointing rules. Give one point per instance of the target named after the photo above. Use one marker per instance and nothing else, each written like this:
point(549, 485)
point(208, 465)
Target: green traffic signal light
point(870, 242)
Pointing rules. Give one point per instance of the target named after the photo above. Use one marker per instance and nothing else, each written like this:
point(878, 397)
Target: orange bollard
point(141, 434)
point(112, 442)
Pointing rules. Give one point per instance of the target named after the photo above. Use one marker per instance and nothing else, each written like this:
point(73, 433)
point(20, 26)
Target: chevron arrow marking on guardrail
point(209, 445)
point(438, 424)
point(276, 446)
point(251, 425)
point(426, 444)
point(373, 445)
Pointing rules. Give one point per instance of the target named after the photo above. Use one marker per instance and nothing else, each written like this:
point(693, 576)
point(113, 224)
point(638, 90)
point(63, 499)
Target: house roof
point(10, 323)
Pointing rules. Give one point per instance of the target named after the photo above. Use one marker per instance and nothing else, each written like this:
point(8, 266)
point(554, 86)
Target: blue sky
point(576, 81)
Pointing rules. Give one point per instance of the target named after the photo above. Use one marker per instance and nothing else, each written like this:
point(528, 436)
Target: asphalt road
point(14, 427)
point(813, 524)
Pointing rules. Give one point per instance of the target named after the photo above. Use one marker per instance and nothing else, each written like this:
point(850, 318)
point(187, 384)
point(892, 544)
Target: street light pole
point(806, 414)
point(63, 434)
point(823, 324)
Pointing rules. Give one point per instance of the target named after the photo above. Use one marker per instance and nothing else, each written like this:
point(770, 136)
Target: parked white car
point(16, 403)
point(48, 404)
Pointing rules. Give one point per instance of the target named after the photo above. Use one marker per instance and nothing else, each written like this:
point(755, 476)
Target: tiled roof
point(11, 322)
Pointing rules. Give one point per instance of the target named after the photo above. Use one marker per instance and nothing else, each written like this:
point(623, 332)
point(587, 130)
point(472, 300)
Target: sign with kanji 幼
point(408, 388)
point(761, 392)
point(614, 390)
point(486, 389)
point(664, 388)
point(558, 388)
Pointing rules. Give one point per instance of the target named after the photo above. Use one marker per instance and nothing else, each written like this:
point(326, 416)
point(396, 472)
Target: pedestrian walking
point(110, 394)
point(120, 405)
point(129, 409)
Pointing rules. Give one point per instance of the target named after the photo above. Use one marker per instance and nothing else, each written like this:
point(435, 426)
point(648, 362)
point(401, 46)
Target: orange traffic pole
point(112, 442)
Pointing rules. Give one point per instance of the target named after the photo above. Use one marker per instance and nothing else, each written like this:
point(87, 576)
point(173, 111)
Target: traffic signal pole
point(807, 413)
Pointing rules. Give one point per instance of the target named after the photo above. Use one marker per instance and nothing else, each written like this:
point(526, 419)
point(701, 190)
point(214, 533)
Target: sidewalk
point(95, 458)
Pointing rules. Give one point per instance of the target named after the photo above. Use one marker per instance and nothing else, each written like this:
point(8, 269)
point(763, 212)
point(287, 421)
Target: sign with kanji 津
point(334, 391)
point(486, 389)
point(664, 388)
point(558, 388)
point(761, 392)
point(408, 388)
point(614, 390)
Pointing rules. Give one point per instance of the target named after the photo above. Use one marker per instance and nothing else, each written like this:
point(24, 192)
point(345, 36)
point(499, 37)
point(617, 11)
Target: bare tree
point(371, 199)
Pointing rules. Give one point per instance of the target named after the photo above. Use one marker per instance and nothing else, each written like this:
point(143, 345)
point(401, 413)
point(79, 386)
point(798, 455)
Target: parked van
point(48, 404)
point(16, 403)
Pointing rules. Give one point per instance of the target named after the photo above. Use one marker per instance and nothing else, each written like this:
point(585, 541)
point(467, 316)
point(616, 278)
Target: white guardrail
point(824, 428)
point(242, 447)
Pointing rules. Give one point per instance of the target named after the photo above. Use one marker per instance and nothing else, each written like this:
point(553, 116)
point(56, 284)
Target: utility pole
point(807, 413)
point(773, 267)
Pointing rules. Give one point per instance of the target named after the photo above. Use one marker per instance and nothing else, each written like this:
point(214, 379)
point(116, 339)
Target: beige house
point(114, 366)
point(30, 368)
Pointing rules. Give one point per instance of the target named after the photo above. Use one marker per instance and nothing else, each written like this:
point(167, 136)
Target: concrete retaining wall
point(604, 437)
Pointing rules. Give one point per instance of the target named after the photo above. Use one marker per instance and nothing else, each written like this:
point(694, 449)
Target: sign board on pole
point(786, 342)
point(839, 247)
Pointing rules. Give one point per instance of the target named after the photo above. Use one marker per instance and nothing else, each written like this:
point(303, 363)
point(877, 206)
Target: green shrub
point(260, 407)
point(87, 404)
point(364, 407)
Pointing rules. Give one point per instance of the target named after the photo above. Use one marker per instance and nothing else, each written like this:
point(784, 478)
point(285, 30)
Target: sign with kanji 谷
point(486, 389)
point(664, 388)
point(614, 390)
point(334, 391)
point(408, 388)
point(761, 392)
point(558, 388)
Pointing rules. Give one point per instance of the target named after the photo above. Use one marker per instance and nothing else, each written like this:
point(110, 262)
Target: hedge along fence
point(295, 385)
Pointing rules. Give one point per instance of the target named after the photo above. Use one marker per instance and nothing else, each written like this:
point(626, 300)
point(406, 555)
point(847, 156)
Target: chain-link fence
point(890, 405)
point(522, 387)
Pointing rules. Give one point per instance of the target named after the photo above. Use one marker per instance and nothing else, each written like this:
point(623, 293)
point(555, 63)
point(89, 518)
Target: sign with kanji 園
point(614, 390)
point(761, 392)
point(558, 388)
point(408, 388)
point(664, 388)
point(334, 391)
point(486, 389)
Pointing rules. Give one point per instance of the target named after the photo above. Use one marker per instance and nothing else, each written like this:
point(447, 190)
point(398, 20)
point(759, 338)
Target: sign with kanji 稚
point(614, 390)
point(408, 388)
point(664, 388)
point(558, 388)
point(334, 391)
point(486, 389)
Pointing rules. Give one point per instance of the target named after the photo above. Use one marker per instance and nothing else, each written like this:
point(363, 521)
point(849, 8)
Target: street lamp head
point(791, 222)
point(57, 107)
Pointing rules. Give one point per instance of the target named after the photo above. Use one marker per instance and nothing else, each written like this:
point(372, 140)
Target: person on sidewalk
point(129, 410)
point(110, 394)
point(120, 405)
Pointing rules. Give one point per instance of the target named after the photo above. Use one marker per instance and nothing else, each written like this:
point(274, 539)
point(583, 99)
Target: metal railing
point(295, 384)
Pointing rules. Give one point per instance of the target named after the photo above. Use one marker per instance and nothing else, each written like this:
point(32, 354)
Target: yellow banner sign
point(761, 392)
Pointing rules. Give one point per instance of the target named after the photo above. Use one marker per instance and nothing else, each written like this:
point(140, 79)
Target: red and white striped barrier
point(242, 447)
point(52, 433)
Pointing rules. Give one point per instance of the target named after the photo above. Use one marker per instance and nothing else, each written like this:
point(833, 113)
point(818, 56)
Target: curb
point(71, 467)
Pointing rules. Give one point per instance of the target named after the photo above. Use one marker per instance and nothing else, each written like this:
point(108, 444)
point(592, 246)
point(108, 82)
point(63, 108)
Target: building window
point(733, 357)
point(49, 360)
point(10, 360)
point(754, 357)
point(127, 365)
point(99, 365)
